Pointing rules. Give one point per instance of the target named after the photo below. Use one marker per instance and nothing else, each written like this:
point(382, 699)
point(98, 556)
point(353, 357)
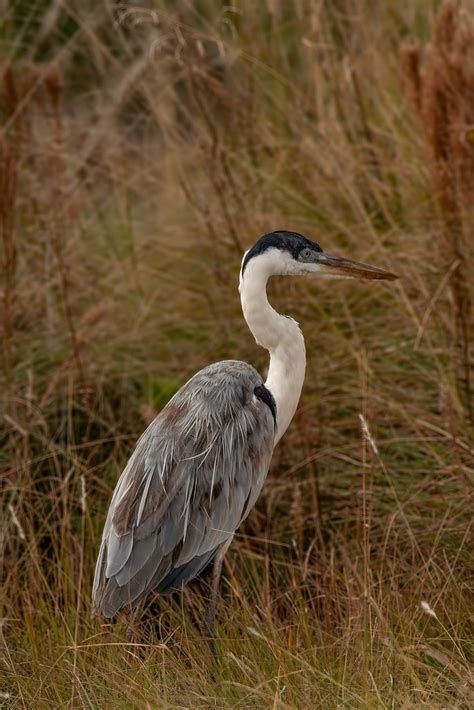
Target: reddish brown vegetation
point(442, 83)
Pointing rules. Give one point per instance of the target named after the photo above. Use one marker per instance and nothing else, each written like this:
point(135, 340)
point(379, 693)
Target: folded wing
point(194, 476)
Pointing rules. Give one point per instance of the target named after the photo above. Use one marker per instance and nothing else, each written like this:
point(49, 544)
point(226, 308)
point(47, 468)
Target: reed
point(142, 149)
point(442, 82)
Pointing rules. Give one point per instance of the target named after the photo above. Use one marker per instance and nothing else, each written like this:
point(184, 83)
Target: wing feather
point(119, 548)
point(142, 551)
point(194, 476)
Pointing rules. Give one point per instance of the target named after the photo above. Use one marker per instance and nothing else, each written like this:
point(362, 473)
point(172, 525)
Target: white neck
point(280, 335)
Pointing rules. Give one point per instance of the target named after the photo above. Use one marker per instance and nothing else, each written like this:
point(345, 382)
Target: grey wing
point(194, 476)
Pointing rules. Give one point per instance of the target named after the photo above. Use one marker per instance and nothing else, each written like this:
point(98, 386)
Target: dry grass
point(141, 152)
point(442, 82)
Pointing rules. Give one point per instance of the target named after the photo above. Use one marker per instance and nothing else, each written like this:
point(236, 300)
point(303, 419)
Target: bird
point(198, 469)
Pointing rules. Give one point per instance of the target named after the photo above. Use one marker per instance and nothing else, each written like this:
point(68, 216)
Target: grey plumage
point(199, 467)
point(194, 476)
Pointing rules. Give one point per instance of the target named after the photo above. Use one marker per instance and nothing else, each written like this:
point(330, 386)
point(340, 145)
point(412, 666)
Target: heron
point(198, 469)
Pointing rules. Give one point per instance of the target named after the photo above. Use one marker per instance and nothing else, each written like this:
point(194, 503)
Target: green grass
point(139, 170)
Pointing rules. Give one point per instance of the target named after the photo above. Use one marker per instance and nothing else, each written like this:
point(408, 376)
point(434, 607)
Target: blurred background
point(143, 147)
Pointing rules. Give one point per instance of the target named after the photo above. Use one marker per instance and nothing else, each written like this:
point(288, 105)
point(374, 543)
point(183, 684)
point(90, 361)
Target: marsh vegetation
point(143, 148)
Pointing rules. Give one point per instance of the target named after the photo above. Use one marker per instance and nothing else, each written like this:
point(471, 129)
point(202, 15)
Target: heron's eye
point(306, 254)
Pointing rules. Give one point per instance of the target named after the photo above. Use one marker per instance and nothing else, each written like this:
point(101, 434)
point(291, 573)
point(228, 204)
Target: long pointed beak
point(339, 266)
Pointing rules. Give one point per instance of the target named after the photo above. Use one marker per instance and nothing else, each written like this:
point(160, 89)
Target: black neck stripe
point(264, 394)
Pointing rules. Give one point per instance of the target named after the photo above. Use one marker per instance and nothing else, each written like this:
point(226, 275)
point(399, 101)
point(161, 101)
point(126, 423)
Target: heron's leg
point(210, 618)
point(132, 634)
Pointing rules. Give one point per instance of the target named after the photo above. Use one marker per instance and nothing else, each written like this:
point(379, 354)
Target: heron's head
point(292, 254)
